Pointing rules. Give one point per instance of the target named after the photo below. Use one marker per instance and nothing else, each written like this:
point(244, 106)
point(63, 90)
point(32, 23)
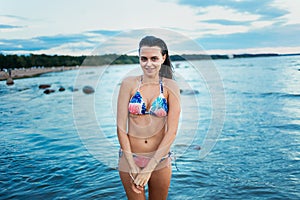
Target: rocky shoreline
point(31, 72)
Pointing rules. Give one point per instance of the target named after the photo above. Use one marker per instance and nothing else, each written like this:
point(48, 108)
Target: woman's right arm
point(122, 117)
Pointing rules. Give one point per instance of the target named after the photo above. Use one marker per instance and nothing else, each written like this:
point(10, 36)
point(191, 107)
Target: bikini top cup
point(158, 108)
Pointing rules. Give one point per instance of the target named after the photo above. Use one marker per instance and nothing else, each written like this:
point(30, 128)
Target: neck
point(149, 79)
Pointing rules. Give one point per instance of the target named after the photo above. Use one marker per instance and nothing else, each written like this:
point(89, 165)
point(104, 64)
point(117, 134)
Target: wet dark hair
point(166, 69)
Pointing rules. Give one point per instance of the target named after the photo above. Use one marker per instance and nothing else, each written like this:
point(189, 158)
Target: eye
point(154, 58)
point(143, 59)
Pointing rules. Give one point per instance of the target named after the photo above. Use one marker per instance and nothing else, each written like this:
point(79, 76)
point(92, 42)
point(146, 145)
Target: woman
point(147, 120)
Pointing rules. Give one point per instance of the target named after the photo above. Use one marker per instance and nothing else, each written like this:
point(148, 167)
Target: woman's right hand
point(134, 171)
point(137, 189)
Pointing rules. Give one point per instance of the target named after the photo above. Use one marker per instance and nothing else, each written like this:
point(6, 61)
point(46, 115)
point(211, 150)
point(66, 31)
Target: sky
point(66, 27)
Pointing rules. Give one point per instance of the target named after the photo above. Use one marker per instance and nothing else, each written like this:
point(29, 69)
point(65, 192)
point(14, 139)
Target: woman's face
point(151, 60)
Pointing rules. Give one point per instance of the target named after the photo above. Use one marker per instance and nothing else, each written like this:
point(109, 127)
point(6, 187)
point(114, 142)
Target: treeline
point(197, 57)
point(108, 59)
point(42, 60)
point(34, 60)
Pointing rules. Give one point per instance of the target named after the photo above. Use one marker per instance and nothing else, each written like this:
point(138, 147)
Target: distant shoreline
point(222, 56)
point(91, 61)
point(46, 61)
point(32, 72)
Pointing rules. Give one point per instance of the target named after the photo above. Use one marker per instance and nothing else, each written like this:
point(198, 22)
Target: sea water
point(64, 145)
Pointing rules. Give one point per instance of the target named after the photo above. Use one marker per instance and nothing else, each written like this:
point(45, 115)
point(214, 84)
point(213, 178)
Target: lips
point(150, 69)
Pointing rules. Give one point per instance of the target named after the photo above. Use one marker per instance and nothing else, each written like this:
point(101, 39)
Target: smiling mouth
point(150, 69)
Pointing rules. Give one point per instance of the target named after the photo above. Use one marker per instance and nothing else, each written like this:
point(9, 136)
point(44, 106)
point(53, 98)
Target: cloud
point(292, 16)
point(105, 32)
point(267, 37)
point(90, 15)
point(11, 23)
point(6, 26)
point(223, 20)
point(127, 42)
point(263, 8)
point(227, 13)
point(8, 19)
point(42, 42)
point(28, 26)
point(226, 22)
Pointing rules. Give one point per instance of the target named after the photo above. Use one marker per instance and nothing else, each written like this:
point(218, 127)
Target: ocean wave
point(269, 94)
point(295, 127)
point(280, 94)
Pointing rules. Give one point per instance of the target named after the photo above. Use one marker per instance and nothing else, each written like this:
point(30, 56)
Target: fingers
point(142, 179)
point(136, 189)
point(139, 182)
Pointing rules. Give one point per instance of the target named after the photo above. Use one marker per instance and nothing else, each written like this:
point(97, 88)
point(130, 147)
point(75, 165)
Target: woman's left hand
point(142, 178)
point(137, 189)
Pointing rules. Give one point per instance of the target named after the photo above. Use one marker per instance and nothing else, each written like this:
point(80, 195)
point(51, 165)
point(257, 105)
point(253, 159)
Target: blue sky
point(218, 26)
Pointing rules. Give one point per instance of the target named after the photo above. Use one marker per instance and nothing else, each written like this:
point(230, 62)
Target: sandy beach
point(31, 72)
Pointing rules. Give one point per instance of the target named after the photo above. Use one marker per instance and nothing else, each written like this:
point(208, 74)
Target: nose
point(149, 63)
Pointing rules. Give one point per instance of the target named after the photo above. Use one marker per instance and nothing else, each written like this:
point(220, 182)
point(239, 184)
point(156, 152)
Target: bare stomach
point(145, 133)
point(146, 145)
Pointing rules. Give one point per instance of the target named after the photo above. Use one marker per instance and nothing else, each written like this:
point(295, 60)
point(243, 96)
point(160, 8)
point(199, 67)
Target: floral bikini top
point(158, 108)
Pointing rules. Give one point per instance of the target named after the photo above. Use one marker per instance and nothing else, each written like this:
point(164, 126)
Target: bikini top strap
point(161, 85)
point(140, 83)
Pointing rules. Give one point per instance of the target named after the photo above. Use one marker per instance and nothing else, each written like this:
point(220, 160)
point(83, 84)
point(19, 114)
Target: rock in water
point(48, 91)
point(189, 92)
point(9, 81)
point(61, 89)
point(88, 90)
point(44, 86)
point(197, 147)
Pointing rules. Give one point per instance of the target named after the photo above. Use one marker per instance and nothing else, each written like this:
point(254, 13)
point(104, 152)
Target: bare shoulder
point(130, 81)
point(171, 84)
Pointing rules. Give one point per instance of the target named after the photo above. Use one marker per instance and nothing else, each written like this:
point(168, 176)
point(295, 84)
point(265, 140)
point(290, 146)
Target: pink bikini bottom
point(141, 160)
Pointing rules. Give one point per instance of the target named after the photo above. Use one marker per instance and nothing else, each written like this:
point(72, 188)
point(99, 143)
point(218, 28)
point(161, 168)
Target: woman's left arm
point(170, 134)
